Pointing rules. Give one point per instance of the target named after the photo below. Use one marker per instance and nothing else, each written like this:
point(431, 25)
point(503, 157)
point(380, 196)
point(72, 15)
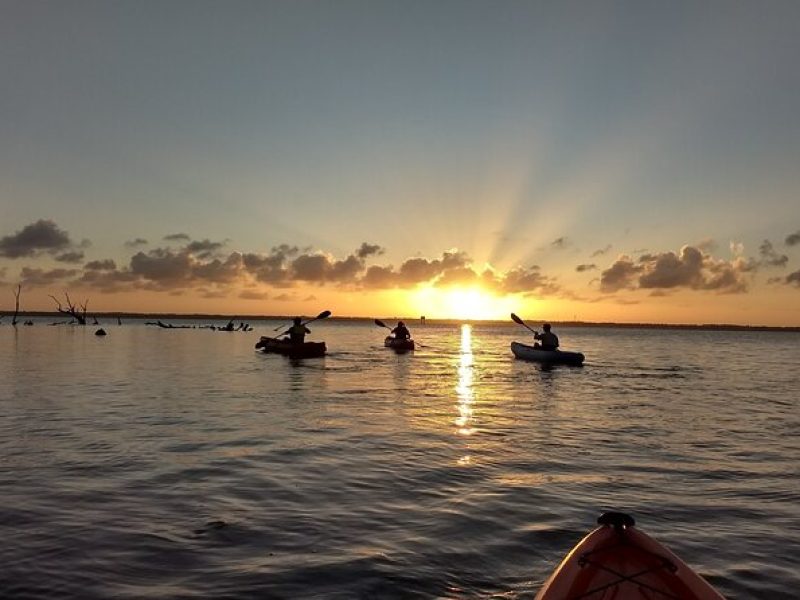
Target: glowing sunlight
point(473, 303)
point(464, 387)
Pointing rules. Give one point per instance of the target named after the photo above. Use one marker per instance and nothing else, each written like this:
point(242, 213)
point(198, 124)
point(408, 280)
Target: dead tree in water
point(77, 312)
point(16, 304)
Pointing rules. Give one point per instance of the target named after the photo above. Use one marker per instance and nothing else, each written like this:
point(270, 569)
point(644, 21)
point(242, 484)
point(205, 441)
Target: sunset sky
point(601, 161)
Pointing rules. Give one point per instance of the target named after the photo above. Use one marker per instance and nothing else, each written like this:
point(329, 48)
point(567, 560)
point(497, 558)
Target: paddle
point(323, 315)
point(516, 319)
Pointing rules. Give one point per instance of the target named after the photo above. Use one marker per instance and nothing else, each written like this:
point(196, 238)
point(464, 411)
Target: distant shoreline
point(415, 320)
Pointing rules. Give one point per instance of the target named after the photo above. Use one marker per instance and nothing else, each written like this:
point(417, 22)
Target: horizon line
point(421, 321)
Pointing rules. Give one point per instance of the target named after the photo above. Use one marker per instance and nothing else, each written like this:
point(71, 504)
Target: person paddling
point(401, 332)
point(297, 332)
point(548, 338)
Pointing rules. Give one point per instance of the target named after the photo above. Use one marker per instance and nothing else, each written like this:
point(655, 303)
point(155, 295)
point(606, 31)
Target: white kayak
point(553, 357)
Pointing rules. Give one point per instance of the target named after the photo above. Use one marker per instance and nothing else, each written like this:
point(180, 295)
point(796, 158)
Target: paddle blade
point(380, 323)
point(516, 319)
point(323, 315)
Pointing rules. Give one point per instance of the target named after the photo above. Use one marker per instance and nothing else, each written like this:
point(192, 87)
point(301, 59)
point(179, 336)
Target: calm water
point(180, 464)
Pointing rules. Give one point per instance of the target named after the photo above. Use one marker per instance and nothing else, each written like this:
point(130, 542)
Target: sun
point(466, 303)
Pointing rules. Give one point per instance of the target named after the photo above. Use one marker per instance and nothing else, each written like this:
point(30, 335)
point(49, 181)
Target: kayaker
point(297, 332)
point(549, 339)
point(401, 332)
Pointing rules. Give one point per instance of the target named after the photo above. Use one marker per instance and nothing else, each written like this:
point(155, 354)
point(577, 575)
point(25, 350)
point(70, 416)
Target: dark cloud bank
point(207, 267)
point(41, 237)
point(691, 268)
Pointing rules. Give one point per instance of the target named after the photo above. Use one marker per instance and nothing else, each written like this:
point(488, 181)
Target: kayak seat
point(616, 519)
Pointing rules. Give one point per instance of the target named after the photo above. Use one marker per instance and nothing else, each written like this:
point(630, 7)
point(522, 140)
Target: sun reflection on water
point(466, 395)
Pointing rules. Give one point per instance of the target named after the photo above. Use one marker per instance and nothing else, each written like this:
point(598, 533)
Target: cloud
point(167, 268)
point(271, 268)
point(177, 237)
point(583, 268)
point(322, 268)
point(100, 265)
point(136, 243)
point(311, 267)
point(162, 265)
point(202, 267)
point(219, 271)
point(619, 275)
point(560, 243)
point(706, 245)
point(690, 269)
point(380, 277)
point(601, 251)
point(199, 263)
point(668, 270)
point(521, 280)
point(106, 280)
point(457, 276)
point(42, 236)
point(204, 248)
point(455, 268)
point(72, 256)
point(419, 270)
point(253, 295)
point(366, 250)
point(793, 239)
point(769, 257)
point(793, 278)
point(41, 277)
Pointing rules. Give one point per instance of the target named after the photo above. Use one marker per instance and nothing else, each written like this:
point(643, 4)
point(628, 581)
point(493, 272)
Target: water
point(182, 464)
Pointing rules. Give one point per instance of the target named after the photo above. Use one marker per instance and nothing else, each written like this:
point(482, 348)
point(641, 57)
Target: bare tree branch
point(76, 312)
point(16, 305)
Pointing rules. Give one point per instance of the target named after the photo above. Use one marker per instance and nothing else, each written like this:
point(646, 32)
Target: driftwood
point(229, 327)
point(77, 312)
point(16, 305)
point(170, 325)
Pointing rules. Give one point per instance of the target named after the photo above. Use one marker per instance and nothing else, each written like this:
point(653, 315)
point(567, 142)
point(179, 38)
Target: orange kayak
point(616, 561)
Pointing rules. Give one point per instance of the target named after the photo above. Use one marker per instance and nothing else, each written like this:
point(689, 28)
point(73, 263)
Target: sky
point(599, 161)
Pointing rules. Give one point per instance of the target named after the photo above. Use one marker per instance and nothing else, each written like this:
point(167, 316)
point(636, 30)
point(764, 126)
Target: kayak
point(618, 561)
point(287, 348)
point(553, 357)
point(398, 345)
